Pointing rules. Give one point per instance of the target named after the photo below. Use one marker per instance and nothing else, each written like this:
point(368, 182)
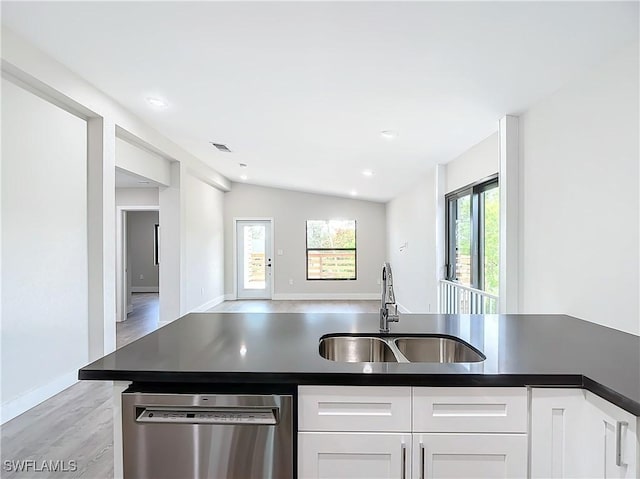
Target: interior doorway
point(253, 258)
point(138, 261)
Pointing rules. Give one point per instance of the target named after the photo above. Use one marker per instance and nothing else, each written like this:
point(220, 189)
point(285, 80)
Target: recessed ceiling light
point(157, 102)
point(244, 177)
point(389, 134)
point(367, 172)
point(353, 193)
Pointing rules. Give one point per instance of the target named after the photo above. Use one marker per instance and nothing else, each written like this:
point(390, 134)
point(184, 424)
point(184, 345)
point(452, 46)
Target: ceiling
point(300, 91)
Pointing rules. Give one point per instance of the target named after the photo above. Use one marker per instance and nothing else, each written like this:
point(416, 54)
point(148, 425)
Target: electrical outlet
point(142, 276)
point(290, 281)
point(280, 252)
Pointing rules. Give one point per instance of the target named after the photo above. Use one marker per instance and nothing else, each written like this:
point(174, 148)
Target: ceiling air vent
point(221, 147)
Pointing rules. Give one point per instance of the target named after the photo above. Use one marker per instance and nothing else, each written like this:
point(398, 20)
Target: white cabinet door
point(323, 455)
point(613, 439)
point(558, 435)
point(465, 456)
point(576, 434)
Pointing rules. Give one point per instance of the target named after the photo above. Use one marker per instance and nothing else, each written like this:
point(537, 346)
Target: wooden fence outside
point(331, 264)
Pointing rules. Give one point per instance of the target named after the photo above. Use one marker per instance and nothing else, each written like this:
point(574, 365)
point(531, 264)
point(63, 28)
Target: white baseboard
point(230, 297)
point(209, 304)
point(29, 399)
point(145, 289)
point(326, 296)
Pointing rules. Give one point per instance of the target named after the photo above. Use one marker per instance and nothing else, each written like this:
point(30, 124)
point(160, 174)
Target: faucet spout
point(388, 299)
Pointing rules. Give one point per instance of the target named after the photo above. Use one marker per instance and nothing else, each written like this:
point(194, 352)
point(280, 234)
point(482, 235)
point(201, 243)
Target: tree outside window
point(331, 250)
point(473, 229)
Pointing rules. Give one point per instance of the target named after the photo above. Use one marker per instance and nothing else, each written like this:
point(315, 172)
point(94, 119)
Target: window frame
point(354, 249)
point(474, 191)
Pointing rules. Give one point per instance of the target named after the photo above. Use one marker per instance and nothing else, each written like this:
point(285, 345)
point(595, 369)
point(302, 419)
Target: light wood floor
point(142, 320)
point(77, 425)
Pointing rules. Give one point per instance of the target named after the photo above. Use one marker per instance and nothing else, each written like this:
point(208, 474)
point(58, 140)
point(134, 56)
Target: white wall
point(44, 326)
point(140, 250)
point(580, 248)
point(478, 162)
point(290, 210)
point(137, 197)
point(42, 73)
point(411, 245)
point(171, 247)
point(416, 218)
point(141, 162)
point(203, 226)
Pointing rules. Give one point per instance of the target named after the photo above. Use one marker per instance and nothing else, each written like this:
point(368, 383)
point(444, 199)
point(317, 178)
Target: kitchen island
point(209, 352)
point(242, 348)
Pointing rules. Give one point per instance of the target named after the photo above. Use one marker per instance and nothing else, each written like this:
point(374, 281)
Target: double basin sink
point(431, 348)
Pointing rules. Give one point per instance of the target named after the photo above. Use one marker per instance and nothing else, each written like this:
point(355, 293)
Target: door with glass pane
point(253, 250)
point(473, 236)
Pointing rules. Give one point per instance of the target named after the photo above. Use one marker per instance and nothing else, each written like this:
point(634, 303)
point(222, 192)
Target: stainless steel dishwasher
point(213, 436)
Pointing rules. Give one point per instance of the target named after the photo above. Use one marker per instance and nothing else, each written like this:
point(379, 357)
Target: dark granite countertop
point(282, 348)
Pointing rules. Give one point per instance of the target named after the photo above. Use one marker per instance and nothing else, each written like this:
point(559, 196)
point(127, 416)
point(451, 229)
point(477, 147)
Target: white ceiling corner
point(300, 91)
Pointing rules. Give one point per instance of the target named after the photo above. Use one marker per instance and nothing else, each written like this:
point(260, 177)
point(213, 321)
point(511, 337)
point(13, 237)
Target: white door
point(353, 455)
point(464, 456)
point(253, 259)
point(559, 436)
point(576, 434)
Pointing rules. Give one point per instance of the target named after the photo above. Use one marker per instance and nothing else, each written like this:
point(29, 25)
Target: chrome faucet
point(388, 299)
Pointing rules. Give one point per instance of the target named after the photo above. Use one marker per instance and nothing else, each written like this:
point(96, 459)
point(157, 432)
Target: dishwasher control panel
point(208, 416)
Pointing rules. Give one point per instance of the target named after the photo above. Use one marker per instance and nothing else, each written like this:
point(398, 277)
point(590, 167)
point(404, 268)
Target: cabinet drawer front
point(470, 410)
point(358, 408)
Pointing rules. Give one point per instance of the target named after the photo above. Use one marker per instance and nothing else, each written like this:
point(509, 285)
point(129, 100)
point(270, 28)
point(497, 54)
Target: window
point(473, 213)
point(331, 249)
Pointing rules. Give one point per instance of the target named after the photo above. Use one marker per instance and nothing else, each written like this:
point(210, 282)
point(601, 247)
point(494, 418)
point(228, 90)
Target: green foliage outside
point(331, 234)
point(463, 225)
point(463, 240)
point(491, 240)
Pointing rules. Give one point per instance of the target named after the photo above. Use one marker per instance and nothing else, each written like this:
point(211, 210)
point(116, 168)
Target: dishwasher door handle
point(219, 416)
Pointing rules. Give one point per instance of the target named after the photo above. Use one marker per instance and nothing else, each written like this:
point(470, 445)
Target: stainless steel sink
point(402, 349)
point(433, 349)
point(356, 349)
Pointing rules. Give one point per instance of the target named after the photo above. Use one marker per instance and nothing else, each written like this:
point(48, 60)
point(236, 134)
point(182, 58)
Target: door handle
point(403, 463)
point(423, 473)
